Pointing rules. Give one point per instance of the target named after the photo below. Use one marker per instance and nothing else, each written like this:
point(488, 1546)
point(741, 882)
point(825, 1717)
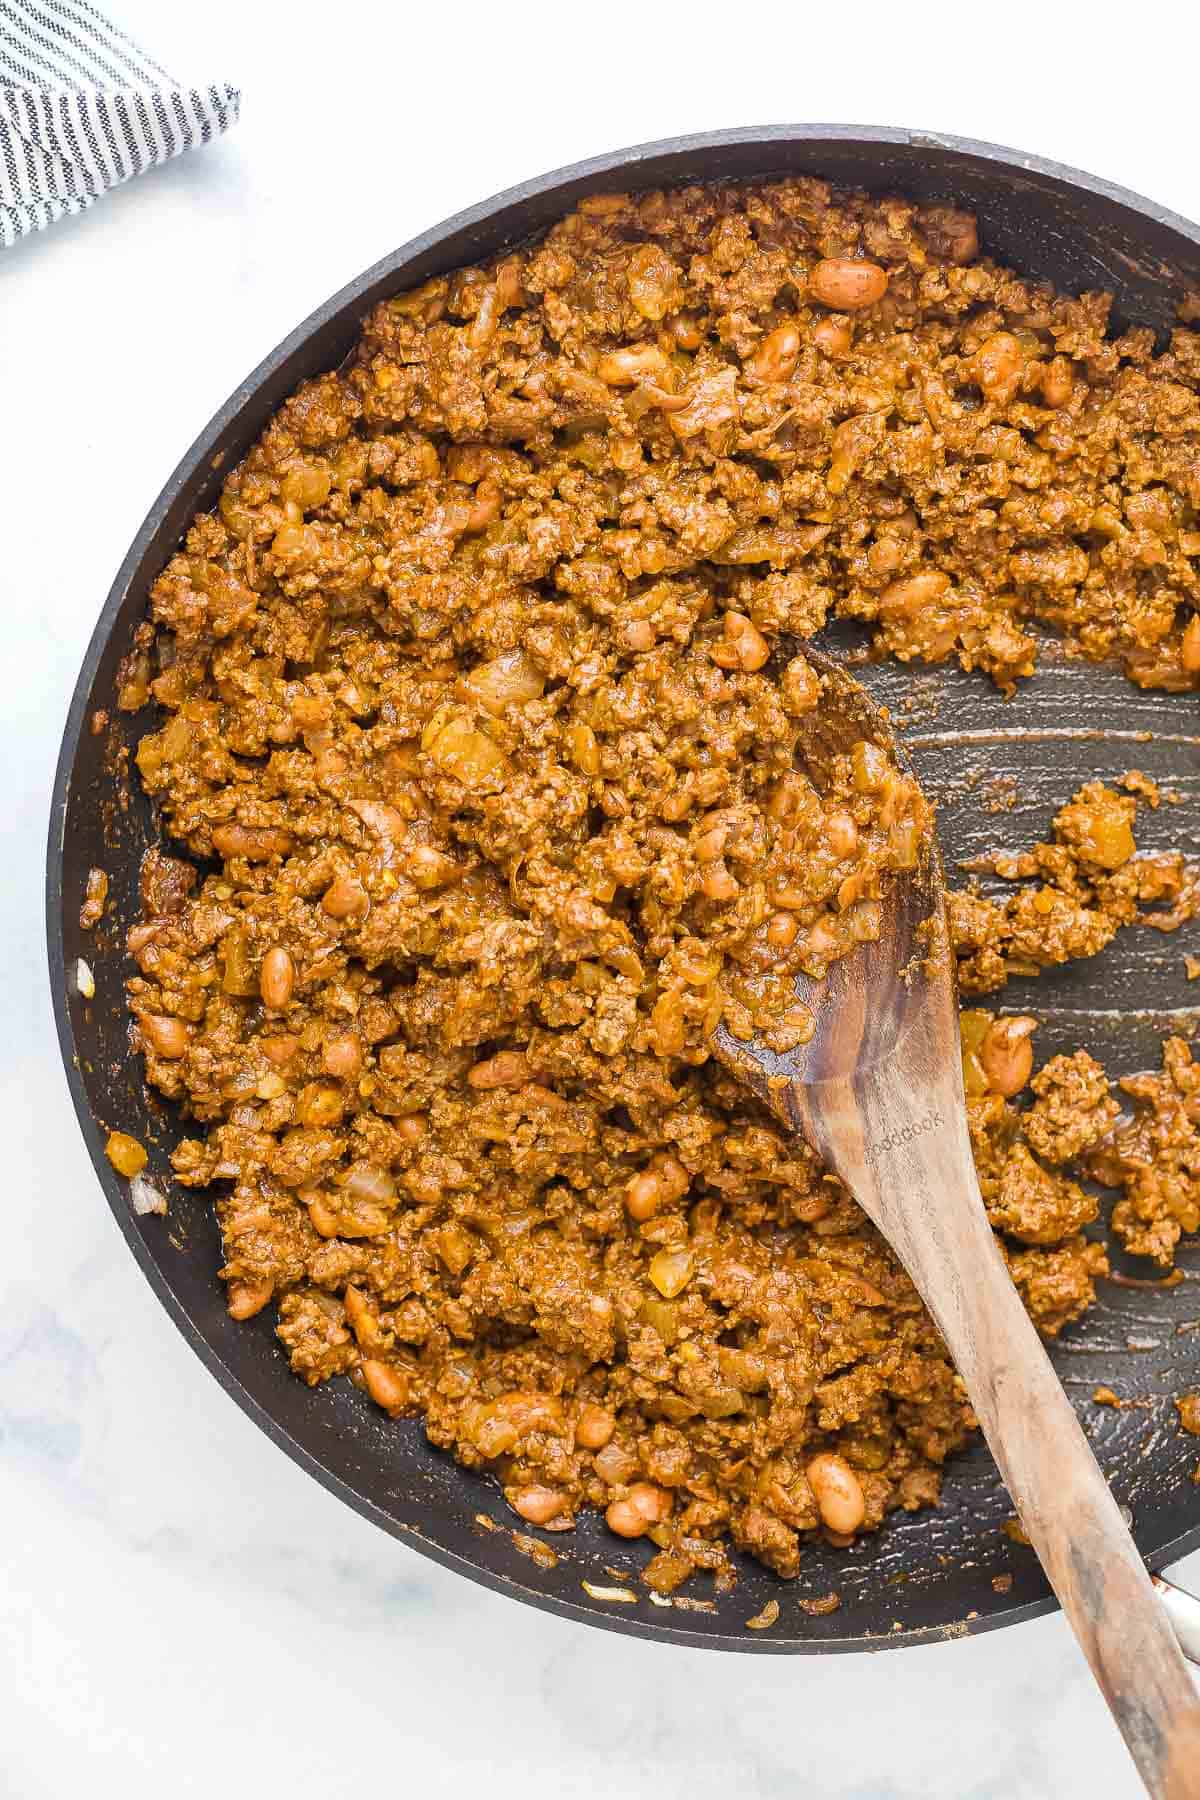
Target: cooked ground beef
point(483, 703)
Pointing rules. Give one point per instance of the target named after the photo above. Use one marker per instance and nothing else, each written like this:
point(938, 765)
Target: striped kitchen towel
point(83, 108)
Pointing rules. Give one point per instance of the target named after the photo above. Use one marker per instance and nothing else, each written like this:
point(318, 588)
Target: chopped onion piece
point(144, 1197)
point(366, 1181)
point(766, 1618)
point(670, 1271)
point(85, 981)
point(507, 680)
point(625, 1595)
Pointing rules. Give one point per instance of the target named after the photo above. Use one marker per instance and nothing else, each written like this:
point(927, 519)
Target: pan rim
point(622, 164)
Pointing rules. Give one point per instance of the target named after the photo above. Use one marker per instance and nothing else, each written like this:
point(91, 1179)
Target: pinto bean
point(164, 1034)
point(277, 978)
point(717, 883)
point(594, 1427)
point(833, 337)
point(907, 598)
point(638, 362)
point(345, 898)
point(665, 1180)
point(538, 1504)
point(1006, 1054)
point(645, 1504)
point(245, 1298)
point(255, 843)
point(507, 1069)
point(341, 1054)
point(837, 1492)
point(777, 355)
point(743, 646)
point(847, 283)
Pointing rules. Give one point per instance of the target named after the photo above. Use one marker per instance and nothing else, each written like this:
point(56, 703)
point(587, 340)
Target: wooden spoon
point(878, 1093)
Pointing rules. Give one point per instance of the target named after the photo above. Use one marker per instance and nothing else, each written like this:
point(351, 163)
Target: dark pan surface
point(999, 769)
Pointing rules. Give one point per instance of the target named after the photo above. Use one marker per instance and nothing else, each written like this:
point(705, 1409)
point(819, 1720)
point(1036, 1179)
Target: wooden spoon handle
point(1065, 1505)
point(1073, 1522)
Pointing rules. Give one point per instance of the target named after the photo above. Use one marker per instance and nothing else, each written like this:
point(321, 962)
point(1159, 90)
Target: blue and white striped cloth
point(83, 108)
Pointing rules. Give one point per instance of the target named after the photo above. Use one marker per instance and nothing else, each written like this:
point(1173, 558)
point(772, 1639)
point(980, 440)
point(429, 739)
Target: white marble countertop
point(182, 1611)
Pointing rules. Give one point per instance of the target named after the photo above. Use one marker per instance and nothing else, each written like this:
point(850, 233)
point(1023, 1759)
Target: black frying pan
point(999, 770)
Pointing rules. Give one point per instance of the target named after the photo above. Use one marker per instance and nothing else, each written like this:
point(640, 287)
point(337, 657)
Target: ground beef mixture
point(482, 709)
point(1072, 895)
